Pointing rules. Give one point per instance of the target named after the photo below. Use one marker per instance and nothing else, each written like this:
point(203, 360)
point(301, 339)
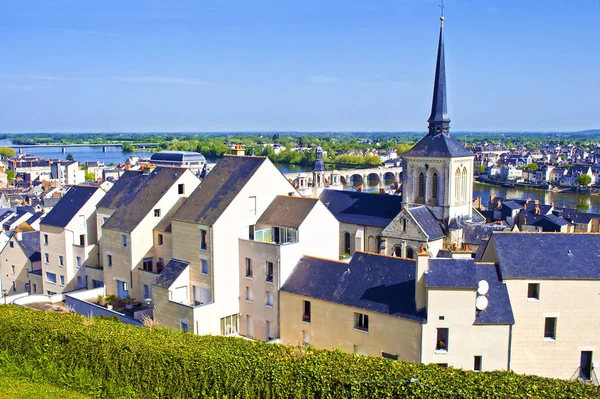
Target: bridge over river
point(64, 147)
point(381, 176)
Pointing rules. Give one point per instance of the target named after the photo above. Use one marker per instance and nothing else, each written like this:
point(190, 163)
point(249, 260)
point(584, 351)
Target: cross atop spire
point(439, 120)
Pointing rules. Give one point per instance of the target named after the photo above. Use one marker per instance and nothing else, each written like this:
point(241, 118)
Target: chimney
point(148, 168)
point(422, 265)
point(537, 210)
point(360, 189)
point(238, 150)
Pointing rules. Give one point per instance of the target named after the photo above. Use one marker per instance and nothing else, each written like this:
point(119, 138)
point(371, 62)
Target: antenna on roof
point(481, 303)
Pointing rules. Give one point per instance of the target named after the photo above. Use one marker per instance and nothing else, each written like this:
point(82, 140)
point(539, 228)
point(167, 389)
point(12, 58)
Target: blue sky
point(296, 65)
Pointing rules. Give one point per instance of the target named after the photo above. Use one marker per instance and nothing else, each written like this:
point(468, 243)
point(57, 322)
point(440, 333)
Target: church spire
point(439, 122)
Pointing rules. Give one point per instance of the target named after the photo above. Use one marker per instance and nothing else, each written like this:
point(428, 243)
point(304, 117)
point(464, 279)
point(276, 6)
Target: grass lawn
point(18, 388)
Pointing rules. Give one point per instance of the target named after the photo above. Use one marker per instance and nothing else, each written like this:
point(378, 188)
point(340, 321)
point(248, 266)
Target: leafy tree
point(90, 176)
point(11, 174)
point(481, 169)
point(112, 164)
point(69, 157)
point(532, 167)
point(584, 180)
point(127, 147)
point(7, 152)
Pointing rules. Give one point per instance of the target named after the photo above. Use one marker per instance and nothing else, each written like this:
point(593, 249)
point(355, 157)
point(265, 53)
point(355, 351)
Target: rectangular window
point(183, 326)
point(389, 356)
point(533, 291)
point(204, 266)
point(78, 261)
point(12, 245)
point(269, 299)
point(51, 277)
point(109, 260)
point(252, 206)
point(157, 213)
point(306, 338)
point(159, 265)
point(34, 288)
point(269, 330)
point(269, 272)
point(361, 322)
point(14, 287)
point(229, 325)
point(61, 262)
point(160, 240)
point(45, 239)
point(147, 264)
point(251, 232)
point(124, 240)
point(249, 295)
point(180, 189)
point(62, 281)
point(12, 269)
point(477, 363)
point(203, 244)
point(248, 267)
point(442, 339)
point(146, 291)
point(550, 328)
point(82, 240)
point(306, 311)
point(46, 258)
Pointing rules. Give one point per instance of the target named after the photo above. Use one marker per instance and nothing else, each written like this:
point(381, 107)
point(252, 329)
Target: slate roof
point(372, 282)
point(427, 221)
point(169, 274)
point(50, 201)
point(287, 211)
point(451, 273)
point(178, 156)
point(214, 194)
point(362, 208)
point(548, 255)
point(68, 206)
point(438, 145)
point(135, 194)
point(30, 242)
point(474, 233)
point(499, 309)
point(466, 274)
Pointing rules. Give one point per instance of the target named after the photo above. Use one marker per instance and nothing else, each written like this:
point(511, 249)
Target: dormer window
point(157, 213)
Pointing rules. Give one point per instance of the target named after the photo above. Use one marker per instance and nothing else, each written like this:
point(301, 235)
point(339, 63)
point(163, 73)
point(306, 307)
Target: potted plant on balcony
point(101, 301)
point(129, 302)
point(110, 300)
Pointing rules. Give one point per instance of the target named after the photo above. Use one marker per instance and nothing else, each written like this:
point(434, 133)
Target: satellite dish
point(483, 287)
point(481, 303)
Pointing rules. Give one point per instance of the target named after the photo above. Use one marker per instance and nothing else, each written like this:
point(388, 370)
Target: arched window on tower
point(421, 192)
point(457, 186)
point(410, 253)
point(465, 178)
point(434, 188)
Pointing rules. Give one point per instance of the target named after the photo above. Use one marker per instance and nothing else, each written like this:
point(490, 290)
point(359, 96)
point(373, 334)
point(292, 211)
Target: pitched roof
point(171, 272)
point(30, 242)
point(214, 194)
point(451, 273)
point(426, 221)
point(372, 282)
point(135, 194)
point(362, 208)
point(68, 206)
point(287, 211)
point(548, 255)
point(466, 274)
point(475, 233)
point(438, 145)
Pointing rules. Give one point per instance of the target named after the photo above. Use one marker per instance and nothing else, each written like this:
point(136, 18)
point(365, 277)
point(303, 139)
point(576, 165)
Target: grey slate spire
point(439, 120)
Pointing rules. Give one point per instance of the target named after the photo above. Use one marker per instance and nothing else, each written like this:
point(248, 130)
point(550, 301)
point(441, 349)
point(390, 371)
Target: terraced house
point(68, 239)
point(19, 258)
point(127, 217)
point(201, 292)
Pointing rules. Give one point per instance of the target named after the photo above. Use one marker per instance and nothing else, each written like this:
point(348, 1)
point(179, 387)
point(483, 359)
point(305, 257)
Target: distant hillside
point(590, 131)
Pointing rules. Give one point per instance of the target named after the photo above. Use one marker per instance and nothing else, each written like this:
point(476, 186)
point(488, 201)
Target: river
point(584, 203)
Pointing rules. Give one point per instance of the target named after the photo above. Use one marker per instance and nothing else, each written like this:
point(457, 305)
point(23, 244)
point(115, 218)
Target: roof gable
point(171, 272)
point(214, 194)
point(68, 206)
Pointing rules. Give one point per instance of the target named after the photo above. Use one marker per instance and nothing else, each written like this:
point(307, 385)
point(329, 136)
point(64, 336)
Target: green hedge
point(108, 359)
